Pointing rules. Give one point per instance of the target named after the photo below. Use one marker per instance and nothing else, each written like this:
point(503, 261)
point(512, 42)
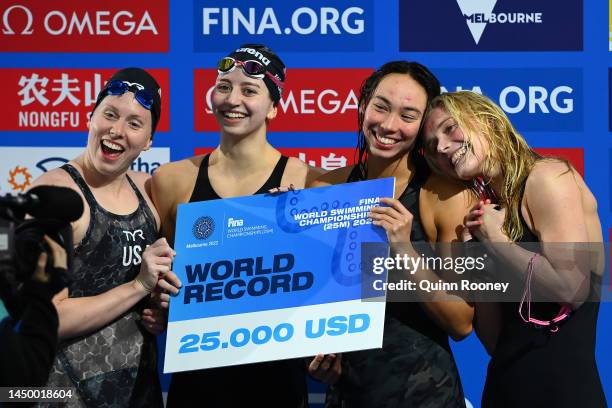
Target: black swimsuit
point(270, 384)
point(114, 366)
point(532, 367)
point(415, 367)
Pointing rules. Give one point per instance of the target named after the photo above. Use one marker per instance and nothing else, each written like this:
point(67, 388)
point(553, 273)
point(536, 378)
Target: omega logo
point(98, 22)
point(5, 20)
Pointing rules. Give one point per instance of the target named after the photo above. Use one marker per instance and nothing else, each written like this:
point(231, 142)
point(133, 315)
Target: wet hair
point(423, 77)
point(477, 114)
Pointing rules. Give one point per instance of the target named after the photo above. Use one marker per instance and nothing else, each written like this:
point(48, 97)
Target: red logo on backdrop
point(574, 155)
point(326, 158)
point(60, 99)
point(330, 158)
point(84, 26)
point(314, 99)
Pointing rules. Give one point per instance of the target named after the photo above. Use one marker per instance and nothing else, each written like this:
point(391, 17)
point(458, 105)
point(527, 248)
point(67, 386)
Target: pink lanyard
point(486, 192)
point(563, 314)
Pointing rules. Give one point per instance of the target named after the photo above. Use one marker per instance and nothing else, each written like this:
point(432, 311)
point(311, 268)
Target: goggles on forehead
point(251, 68)
point(117, 87)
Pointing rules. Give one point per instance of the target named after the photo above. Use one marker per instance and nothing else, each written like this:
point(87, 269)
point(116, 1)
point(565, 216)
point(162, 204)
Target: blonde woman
point(543, 354)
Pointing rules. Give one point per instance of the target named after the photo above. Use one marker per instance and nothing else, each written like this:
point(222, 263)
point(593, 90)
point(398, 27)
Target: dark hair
point(416, 71)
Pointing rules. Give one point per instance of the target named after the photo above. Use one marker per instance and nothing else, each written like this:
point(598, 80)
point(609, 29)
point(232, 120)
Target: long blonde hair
point(508, 150)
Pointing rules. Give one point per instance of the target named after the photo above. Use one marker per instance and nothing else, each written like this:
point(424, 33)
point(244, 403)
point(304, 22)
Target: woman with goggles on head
point(415, 367)
point(245, 98)
point(542, 354)
point(105, 354)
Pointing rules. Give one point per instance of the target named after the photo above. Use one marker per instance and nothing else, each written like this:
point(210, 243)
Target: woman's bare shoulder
point(336, 176)
point(178, 173)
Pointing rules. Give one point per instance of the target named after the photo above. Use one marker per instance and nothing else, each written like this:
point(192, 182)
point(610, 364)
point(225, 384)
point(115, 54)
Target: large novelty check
point(272, 277)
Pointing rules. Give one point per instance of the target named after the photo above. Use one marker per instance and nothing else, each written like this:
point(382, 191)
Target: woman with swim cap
point(245, 99)
point(105, 354)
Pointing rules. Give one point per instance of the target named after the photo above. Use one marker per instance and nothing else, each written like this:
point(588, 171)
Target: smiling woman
point(415, 367)
point(245, 98)
point(106, 354)
point(117, 115)
point(458, 152)
point(545, 349)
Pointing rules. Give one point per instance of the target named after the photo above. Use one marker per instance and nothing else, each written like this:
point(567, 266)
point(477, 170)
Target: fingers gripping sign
point(154, 320)
point(156, 262)
point(326, 368)
point(394, 218)
point(155, 269)
point(167, 285)
point(282, 189)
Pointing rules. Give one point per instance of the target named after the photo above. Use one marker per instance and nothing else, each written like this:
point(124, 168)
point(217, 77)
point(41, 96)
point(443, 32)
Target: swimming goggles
point(251, 68)
point(552, 325)
point(117, 87)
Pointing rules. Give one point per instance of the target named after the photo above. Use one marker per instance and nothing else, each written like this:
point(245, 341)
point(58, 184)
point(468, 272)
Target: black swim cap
point(141, 79)
point(270, 61)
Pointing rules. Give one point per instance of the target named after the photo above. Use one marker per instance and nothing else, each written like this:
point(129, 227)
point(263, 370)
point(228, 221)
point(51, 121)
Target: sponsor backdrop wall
point(546, 63)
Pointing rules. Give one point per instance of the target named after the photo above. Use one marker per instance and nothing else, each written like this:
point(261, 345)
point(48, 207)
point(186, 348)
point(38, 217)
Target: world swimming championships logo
point(203, 227)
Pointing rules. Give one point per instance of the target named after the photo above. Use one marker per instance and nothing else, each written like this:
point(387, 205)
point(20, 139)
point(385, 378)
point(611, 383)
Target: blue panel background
point(560, 28)
point(593, 134)
point(512, 86)
point(216, 40)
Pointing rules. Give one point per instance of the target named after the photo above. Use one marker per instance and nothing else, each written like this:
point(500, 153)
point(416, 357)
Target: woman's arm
point(553, 198)
point(448, 310)
point(80, 316)
point(443, 206)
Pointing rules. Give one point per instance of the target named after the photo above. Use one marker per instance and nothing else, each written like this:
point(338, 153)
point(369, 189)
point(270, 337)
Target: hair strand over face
point(508, 151)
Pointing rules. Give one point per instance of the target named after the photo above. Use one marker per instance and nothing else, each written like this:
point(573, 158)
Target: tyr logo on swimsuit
point(132, 251)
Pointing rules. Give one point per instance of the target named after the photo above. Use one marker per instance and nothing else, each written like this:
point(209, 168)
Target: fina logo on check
point(203, 227)
point(235, 222)
point(479, 13)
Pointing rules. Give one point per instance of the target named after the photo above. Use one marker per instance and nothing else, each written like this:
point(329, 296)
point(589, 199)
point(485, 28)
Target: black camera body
point(22, 240)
